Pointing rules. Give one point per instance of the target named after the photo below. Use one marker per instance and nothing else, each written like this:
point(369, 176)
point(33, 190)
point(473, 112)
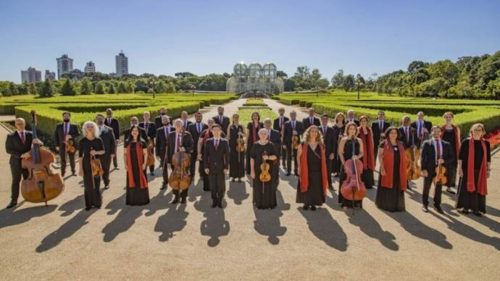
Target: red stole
point(304, 173)
point(388, 162)
point(369, 154)
point(457, 139)
point(130, 173)
point(481, 185)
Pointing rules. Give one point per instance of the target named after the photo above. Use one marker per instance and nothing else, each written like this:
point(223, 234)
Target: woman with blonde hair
point(350, 147)
point(90, 147)
point(338, 132)
point(313, 175)
point(451, 134)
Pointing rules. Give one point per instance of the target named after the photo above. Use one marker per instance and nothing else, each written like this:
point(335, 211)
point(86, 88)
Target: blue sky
point(164, 37)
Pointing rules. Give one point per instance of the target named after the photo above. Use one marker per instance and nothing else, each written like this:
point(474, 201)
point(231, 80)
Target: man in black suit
point(274, 136)
point(310, 120)
point(179, 140)
point(150, 129)
point(18, 145)
point(279, 125)
point(293, 128)
point(222, 120)
point(435, 152)
point(113, 123)
point(351, 117)
point(328, 140)
point(134, 121)
point(161, 146)
point(378, 128)
point(406, 133)
point(66, 132)
point(158, 119)
point(216, 163)
point(107, 136)
point(422, 128)
point(185, 122)
point(196, 129)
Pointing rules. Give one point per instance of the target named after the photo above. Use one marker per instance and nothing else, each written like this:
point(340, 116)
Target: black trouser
point(217, 186)
point(247, 156)
point(92, 193)
point(115, 160)
point(192, 168)
point(17, 173)
point(161, 155)
point(283, 156)
point(106, 166)
point(182, 193)
point(291, 153)
point(205, 177)
point(62, 155)
point(437, 192)
point(329, 170)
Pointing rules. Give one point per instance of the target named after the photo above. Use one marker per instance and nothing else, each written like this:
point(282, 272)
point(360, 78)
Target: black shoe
point(163, 186)
point(239, 179)
point(478, 214)
point(152, 174)
point(330, 187)
point(425, 209)
point(313, 208)
point(176, 200)
point(464, 211)
point(106, 187)
point(11, 204)
point(62, 174)
point(88, 208)
point(288, 174)
point(73, 173)
point(232, 180)
point(183, 200)
point(451, 191)
point(438, 209)
point(206, 189)
point(305, 208)
point(220, 205)
point(214, 204)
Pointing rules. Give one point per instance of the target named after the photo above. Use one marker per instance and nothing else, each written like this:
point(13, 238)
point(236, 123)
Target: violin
point(353, 188)
point(70, 146)
point(265, 176)
point(180, 178)
point(413, 169)
point(96, 166)
point(440, 177)
point(240, 143)
point(42, 184)
point(150, 161)
point(295, 142)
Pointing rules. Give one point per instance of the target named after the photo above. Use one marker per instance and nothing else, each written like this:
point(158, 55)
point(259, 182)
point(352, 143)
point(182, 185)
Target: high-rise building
point(50, 75)
point(121, 64)
point(90, 67)
point(31, 75)
point(64, 65)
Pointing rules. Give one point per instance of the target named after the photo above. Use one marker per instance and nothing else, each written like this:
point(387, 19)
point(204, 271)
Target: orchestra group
point(314, 149)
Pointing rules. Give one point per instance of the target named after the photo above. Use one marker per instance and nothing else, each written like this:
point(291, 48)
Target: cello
point(180, 178)
point(151, 157)
point(42, 183)
point(413, 169)
point(353, 188)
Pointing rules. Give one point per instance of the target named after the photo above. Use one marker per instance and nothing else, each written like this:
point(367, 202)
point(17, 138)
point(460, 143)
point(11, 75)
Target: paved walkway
point(195, 242)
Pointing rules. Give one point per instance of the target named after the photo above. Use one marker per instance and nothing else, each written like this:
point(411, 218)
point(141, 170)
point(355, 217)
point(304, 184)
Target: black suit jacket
point(427, 126)
point(412, 139)
point(299, 127)
point(276, 123)
point(225, 122)
point(193, 130)
point(158, 122)
point(186, 124)
point(377, 132)
point(307, 123)
point(216, 160)
point(151, 129)
point(108, 139)
point(187, 143)
point(356, 121)
point(15, 147)
point(59, 134)
point(115, 125)
point(161, 139)
point(328, 139)
point(428, 156)
point(275, 139)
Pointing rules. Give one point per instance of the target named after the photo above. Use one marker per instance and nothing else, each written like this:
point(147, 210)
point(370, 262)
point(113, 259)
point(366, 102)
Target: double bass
point(42, 184)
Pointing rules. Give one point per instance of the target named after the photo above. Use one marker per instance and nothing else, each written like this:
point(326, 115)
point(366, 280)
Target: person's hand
point(199, 157)
point(295, 132)
point(284, 146)
point(207, 171)
point(80, 172)
point(382, 172)
point(57, 148)
point(226, 171)
point(440, 161)
point(26, 155)
point(460, 172)
point(265, 157)
point(37, 141)
point(382, 135)
point(182, 149)
point(298, 172)
point(144, 166)
point(112, 156)
point(252, 174)
point(355, 157)
point(92, 152)
point(68, 137)
point(425, 173)
point(332, 156)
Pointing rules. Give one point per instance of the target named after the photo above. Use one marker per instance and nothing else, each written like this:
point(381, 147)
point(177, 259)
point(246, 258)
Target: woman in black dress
point(90, 147)
point(350, 147)
point(393, 181)
point(474, 162)
point(135, 155)
point(264, 193)
point(451, 134)
point(236, 134)
point(253, 128)
point(366, 136)
point(338, 132)
point(313, 175)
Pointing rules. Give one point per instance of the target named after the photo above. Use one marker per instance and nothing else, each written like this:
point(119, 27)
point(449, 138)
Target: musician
point(159, 118)
point(274, 136)
point(406, 133)
point(185, 122)
point(393, 180)
point(451, 134)
point(338, 132)
point(205, 135)
point(253, 128)
point(196, 129)
point(216, 163)
point(329, 142)
point(310, 120)
point(422, 128)
point(113, 123)
point(222, 120)
point(161, 147)
point(366, 136)
point(435, 152)
point(378, 128)
point(149, 128)
point(134, 121)
point(313, 171)
point(237, 158)
point(18, 145)
point(90, 146)
point(64, 134)
point(293, 129)
point(264, 193)
point(279, 125)
point(135, 156)
point(107, 136)
point(179, 141)
point(350, 147)
point(351, 117)
point(474, 162)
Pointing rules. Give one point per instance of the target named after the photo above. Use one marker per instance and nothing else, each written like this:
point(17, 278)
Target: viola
point(96, 166)
point(413, 168)
point(353, 188)
point(440, 177)
point(42, 184)
point(70, 146)
point(240, 143)
point(150, 161)
point(295, 142)
point(180, 178)
point(265, 176)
